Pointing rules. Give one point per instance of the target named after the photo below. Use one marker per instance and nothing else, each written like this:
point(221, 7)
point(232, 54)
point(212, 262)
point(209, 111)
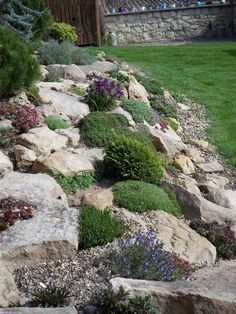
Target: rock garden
point(112, 200)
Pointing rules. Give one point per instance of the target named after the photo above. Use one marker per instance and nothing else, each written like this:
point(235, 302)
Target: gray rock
point(214, 291)
point(100, 66)
point(24, 157)
point(74, 73)
point(58, 86)
point(137, 91)
point(73, 135)
point(125, 113)
point(52, 232)
point(5, 124)
point(5, 162)
point(43, 141)
point(178, 237)
point(38, 310)
point(8, 291)
point(226, 198)
point(101, 199)
point(210, 167)
point(69, 105)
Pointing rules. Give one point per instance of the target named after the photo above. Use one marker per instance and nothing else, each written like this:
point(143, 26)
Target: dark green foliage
point(98, 228)
point(52, 296)
point(7, 136)
point(97, 128)
point(33, 95)
point(53, 52)
point(120, 303)
point(152, 86)
point(163, 107)
point(55, 122)
point(63, 32)
point(128, 158)
point(17, 16)
point(140, 197)
point(138, 110)
point(220, 235)
point(73, 182)
point(18, 68)
point(43, 21)
point(142, 257)
point(77, 91)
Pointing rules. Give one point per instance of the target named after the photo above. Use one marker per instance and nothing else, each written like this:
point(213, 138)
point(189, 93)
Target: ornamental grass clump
point(220, 235)
point(143, 257)
point(103, 93)
point(12, 209)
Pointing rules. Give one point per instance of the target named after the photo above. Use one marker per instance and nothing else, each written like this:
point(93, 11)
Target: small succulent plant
point(52, 296)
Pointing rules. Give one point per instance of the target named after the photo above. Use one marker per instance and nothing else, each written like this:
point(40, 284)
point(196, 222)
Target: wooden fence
point(82, 14)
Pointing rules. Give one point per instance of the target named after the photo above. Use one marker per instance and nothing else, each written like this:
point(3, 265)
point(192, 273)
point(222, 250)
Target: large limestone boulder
point(43, 141)
point(176, 236)
point(8, 291)
point(5, 162)
point(67, 162)
point(69, 105)
point(138, 91)
point(213, 166)
point(58, 86)
point(167, 142)
point(196, 207)
point(52, 232)
point(73, 72)
point(24, 157)
point(213, 291)
point(226, 198)
point(98, 66)
point(73, 135)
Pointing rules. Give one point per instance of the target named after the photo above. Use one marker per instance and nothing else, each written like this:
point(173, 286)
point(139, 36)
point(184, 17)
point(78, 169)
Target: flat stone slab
point(67, 104)
point(210, 167)
point(38, 310)
point(100, 66)
point(213, 291)
point(52, 232)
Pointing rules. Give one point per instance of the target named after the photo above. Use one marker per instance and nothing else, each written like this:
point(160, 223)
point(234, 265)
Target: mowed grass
point(205, 73)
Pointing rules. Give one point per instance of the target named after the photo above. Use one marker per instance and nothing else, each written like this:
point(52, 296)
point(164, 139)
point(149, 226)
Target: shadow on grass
point(231, 52)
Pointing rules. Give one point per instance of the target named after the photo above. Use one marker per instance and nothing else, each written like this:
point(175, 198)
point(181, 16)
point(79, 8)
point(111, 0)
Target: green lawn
point(204, 72)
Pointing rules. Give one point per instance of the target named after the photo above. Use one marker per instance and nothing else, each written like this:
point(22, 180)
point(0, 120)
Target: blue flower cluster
point(143, 257)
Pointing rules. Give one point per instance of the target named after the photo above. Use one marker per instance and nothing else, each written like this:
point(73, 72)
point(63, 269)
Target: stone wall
point(172, 24)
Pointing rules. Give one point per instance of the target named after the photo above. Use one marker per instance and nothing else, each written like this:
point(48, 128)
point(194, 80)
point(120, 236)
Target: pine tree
point(16, 15)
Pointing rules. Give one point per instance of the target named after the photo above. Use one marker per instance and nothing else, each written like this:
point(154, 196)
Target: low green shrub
point(77, 91)
point(128, 158)
point(138, 110)
point(151, 86)
point(118, 76)
point(141, 256)
point(220, 235)
point(120, 302)
point(103, 93)
point(7, 136)
point(97, 128)
point(55, 122)
point(140, 197)
point(18, 68)
point(98, 228)
point(51, 296)
point(180, 98)
point(74, 182)
point(53, 52)
point(63, 32)
point(163, 107)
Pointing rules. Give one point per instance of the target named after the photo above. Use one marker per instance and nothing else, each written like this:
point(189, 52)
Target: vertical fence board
point(82, 14)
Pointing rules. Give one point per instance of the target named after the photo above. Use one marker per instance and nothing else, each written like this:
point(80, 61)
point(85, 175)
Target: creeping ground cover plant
point(103, 93)
point(143, 257)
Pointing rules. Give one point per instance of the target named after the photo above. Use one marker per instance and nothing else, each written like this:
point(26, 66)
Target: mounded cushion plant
point(97, 227)
point(128, 158)
point(97, 128)
point(138, 110)
point(140, 197)
point(63, 32)
point(55, 122)
point(18, 68)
